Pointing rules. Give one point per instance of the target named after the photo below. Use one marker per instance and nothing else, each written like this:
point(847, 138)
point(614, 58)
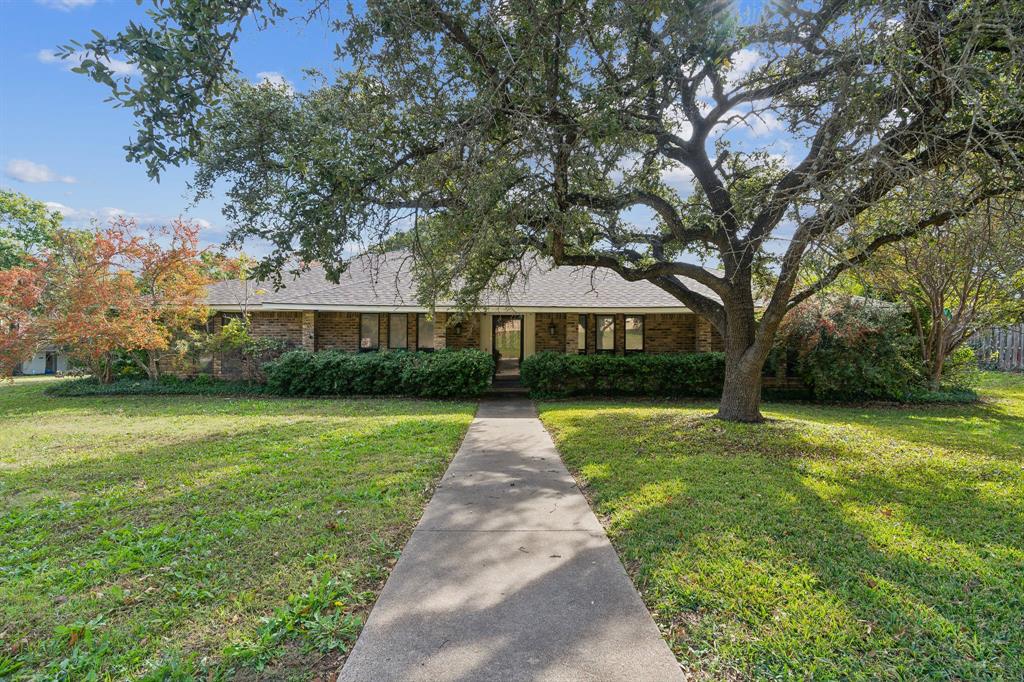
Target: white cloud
point(30, 171)
point(677, 172)
point(743, 62)
point(274, 78)
point(763, 123)
point(119, 67)
point(82, 216)
point(66, 5)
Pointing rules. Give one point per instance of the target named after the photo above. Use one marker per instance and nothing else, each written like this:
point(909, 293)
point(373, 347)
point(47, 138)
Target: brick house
point(374, 308)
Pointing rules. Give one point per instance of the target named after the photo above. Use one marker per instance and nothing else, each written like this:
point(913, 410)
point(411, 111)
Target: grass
point(163, 537)
point(830, 543)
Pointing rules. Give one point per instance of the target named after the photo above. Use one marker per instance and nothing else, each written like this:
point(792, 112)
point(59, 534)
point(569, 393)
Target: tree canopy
point(26, 227)
point(561, 127)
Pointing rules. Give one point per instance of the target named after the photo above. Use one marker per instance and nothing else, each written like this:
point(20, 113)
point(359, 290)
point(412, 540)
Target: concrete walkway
point(509, 576)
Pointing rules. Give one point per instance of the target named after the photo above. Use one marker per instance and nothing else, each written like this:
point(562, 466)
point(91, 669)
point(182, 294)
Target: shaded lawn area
point(165, 536)
point(830, 543)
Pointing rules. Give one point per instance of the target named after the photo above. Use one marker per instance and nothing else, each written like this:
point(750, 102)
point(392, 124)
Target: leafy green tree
point(502, 129)
point(956, 278)
point(27, 227)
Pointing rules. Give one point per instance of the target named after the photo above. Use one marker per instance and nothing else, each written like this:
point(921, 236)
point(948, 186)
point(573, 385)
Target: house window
point(605, 333)
point(424, 332)
point(581, 335)
point(369, 331)
point(398, 331)
point(634, 334)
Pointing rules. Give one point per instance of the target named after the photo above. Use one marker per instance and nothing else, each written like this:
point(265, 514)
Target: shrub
point(442, 374)
point(665, 375)
point(447, 374)
point(166, 385)
point(960, 372)
point(853, 349)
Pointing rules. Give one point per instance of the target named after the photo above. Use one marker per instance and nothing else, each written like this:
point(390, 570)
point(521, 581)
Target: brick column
point(309, 330)
point(620, 334)
point(440, 330)
point(383, 331)
point(217, 368)
point(572, 323)
point(703, 335)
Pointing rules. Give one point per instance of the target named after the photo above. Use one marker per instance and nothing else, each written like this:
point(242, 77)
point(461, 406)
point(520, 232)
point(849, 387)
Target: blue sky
point(61, 143)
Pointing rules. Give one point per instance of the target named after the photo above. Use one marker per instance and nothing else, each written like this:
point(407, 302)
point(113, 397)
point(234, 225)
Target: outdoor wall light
point(552, 329)
point(458, 329)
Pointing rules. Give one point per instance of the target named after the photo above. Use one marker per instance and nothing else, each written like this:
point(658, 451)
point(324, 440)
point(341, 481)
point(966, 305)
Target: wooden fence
point(1001, 348)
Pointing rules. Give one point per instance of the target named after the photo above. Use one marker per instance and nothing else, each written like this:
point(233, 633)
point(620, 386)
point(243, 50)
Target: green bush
point(442, 374)
point(854, 349)
point(960, 372)
point(167, 385)
point(665, 375)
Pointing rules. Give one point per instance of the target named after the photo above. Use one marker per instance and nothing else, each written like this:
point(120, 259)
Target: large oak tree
point(561, 128)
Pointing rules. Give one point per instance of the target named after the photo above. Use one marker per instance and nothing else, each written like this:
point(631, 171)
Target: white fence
point(1001, 349)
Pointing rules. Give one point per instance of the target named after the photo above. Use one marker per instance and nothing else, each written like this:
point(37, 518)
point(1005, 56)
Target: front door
point(507, 342)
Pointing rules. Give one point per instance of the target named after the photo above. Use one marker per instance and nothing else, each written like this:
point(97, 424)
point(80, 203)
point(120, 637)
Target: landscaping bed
point(164, 537)
point(830, 543)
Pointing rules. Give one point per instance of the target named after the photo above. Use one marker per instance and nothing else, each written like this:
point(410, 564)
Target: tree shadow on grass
point(987, 429)
point(783, 565)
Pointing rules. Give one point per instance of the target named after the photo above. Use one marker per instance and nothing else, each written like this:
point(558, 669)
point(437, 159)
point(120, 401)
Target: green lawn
point(177, 536)
point(830, 543)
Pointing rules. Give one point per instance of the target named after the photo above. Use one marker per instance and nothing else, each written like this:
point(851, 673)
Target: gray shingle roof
point(386, 282)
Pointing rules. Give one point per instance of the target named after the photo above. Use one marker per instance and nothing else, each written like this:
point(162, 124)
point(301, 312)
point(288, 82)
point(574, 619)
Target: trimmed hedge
point(441, 374)
point(169, 385)
point(550, 375)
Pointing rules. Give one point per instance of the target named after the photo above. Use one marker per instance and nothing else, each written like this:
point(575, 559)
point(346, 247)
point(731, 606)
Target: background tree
point(555, 127)
point(21, 290)
point(98, 294)
point(27, 227)
point(957, 278)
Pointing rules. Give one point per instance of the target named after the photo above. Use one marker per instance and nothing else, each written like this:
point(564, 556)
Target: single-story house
point(374, 308)
point(47, 360)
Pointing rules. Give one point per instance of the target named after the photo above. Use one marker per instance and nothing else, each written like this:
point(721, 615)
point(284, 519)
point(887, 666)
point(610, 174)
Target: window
point(605, 333)
point(398, 331)
point(369, 331)
point(634, 334)
point(581, 335)
point(424, 332)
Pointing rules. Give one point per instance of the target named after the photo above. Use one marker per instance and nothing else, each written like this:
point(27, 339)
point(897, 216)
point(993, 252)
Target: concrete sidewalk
point(509, 576)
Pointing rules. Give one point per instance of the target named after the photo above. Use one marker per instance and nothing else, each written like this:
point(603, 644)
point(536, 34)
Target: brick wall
point(670, 333)
point(470, 336)
point(708, 338)
point(544, 340)
point(284, 326)
point(337, 331)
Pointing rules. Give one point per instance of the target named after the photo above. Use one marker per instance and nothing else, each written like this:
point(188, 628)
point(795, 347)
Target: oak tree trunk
point(744, 362)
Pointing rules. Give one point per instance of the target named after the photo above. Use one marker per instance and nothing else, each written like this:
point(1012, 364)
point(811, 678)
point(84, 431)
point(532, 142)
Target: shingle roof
point(386, 282)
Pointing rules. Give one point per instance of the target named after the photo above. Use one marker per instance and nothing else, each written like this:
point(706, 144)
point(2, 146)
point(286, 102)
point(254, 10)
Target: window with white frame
point(581, 335)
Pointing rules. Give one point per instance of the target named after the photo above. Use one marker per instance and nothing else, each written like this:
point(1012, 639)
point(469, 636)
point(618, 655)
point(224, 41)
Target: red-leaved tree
point(118, 289)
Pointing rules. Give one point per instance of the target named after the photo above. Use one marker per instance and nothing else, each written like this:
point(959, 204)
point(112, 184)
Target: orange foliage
point(21, 289)
point(117, 289)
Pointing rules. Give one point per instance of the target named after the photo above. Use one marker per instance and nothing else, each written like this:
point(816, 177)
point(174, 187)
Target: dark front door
point(507, 342)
